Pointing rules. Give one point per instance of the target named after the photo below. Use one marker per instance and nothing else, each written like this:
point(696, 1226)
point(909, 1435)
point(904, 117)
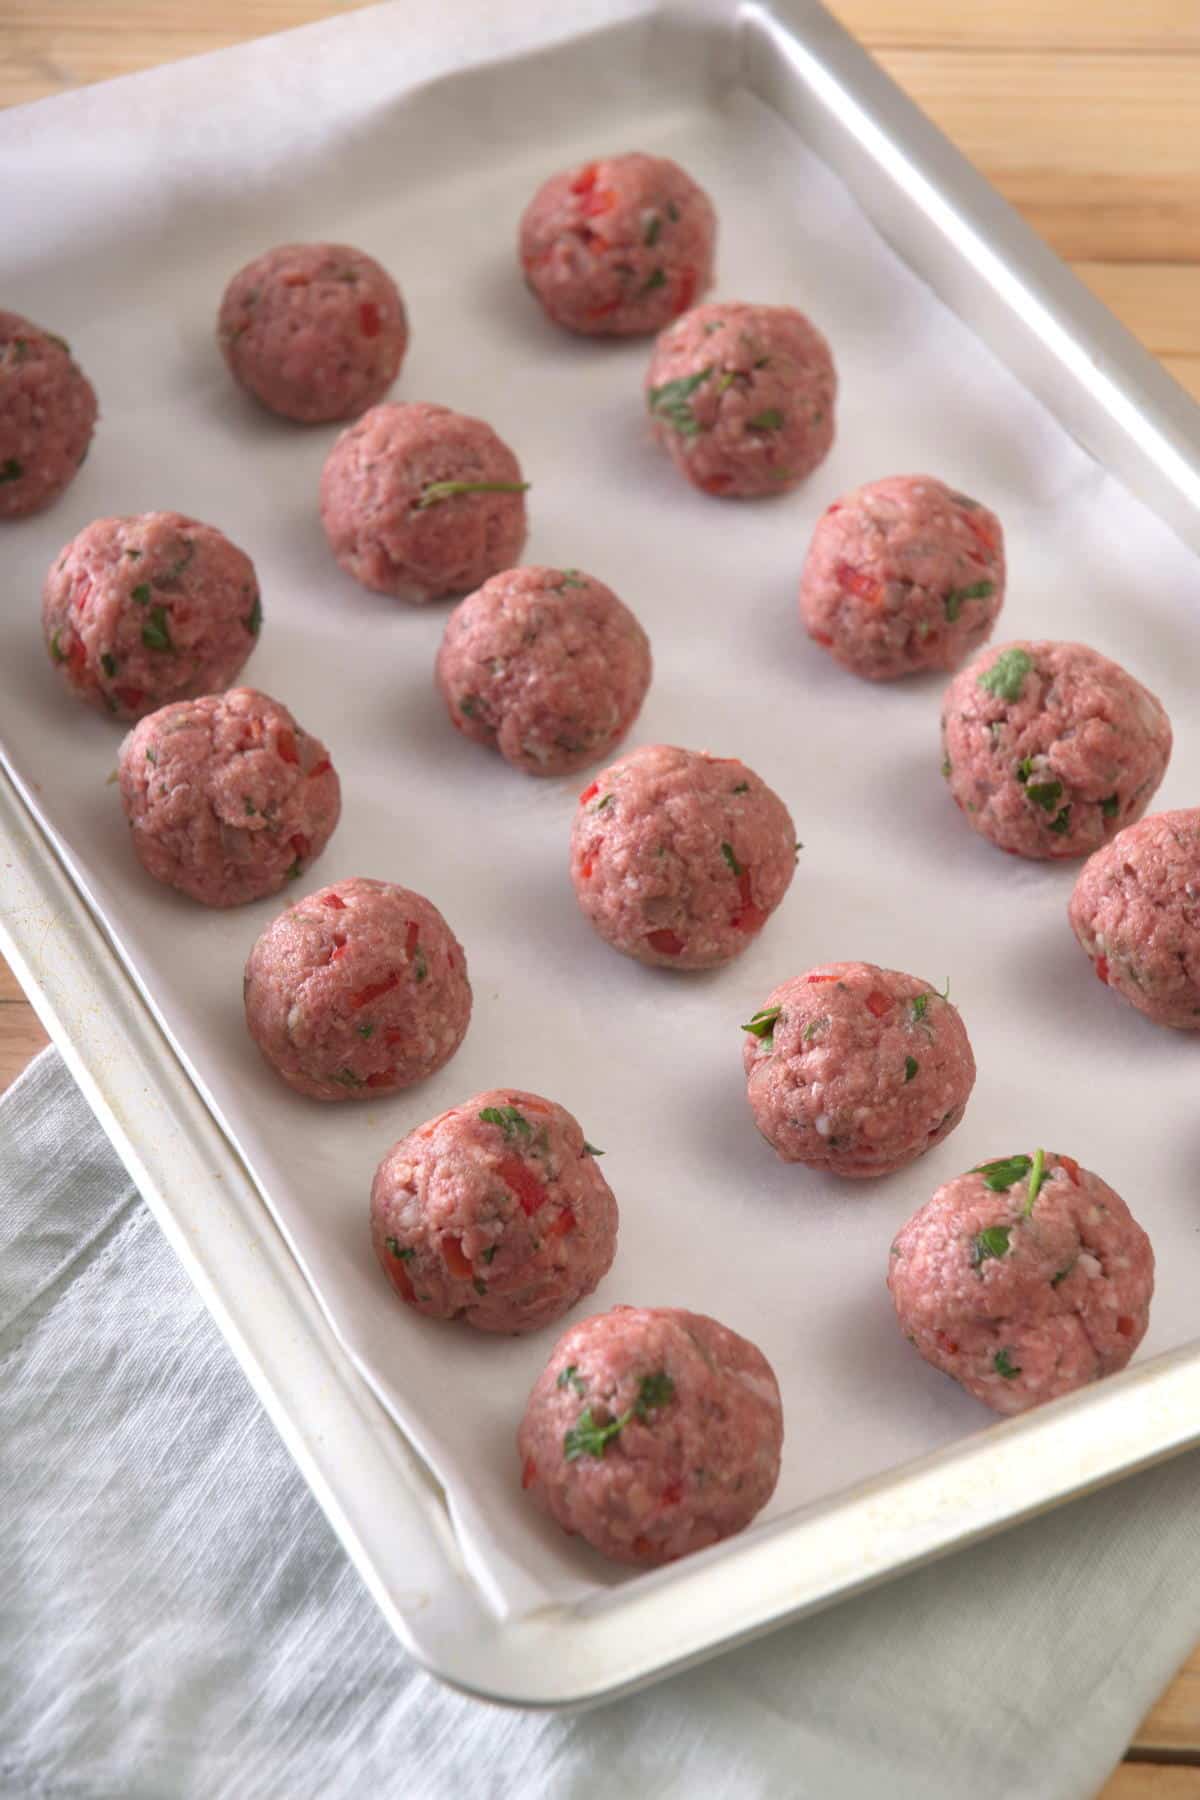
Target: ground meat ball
point(545, 665)
point(420, 502)
point(679, 858)
point(1136, 912)
point(357, 991)
point(652, 1432)
point(313, 331)
point(227, 798)
point(1023, 1303)
point(616, 248)
point(47, 416)
point(856, 1069)
point(495, 1213)
point(903, 575)
point(144, 610)
point(1050, 749)
point(741, 397)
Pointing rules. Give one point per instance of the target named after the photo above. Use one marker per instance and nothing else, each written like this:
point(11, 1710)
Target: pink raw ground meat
point(226, 797)
point(47, 416)
point(617, 247)
point(1136, 912)
point(903, 575)
point(144, 610)
point(679, 858)
point(314, 331)
point(545, 665)
point(357, 991)
point(496, 1212)
point(652, 1432)
point(856, 1069)
point(741, 397)
point(420, 502)
point(1023, 1302)
point(1049, 749)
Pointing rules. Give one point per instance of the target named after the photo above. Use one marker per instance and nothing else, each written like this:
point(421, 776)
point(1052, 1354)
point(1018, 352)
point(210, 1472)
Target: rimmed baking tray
point(501, 1607)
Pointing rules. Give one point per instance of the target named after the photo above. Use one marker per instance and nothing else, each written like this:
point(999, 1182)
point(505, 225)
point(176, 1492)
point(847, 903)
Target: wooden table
point(1083, 112)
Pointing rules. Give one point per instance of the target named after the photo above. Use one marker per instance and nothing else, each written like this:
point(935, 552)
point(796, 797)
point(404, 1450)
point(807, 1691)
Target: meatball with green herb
point(652, 1432)
point(856, 1070)
point(47, 416)
point(1050, 749)
point(141, 611)
point(495, 1213)
point(1135, 910)
point(741, 398)
point(1023, 1279)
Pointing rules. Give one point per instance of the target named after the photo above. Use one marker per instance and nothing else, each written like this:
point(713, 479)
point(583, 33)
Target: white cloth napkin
point(178, 1623)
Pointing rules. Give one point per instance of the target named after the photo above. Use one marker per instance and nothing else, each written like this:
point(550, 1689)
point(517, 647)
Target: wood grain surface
point(1082, 112)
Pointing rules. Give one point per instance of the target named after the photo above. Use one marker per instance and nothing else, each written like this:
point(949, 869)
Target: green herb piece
point(770, 420)
point(1004, 1365)
point(762, 1025)
point(1004, 1172)
point(60, 341)
point(151, 756)
point(1045, 794)
point(56, 649)
point(743, 787)
point(1037, 1175)
point(992, 1242)
point(591, 1149)
point(586, 1438)
point(653, 229)
point(253, 619)
point(420, 966)
point(570, 1377)
point(21, 347)
point(600, 804)
point(918, 1006)
point(1110, 806)
point(108, 663)
point(397, 1249)
point(251, 809)
point(672, 212)
point(490, 1253)
point(294, 873)
point(366, 1031)
point(479, 1286)
point(141, 593)
point(725, 380)
point(911, 1065)
point(978, 590)
point(1024, 769)
point(1062, 822)
point(437, 491)
point(1007, 674)
point(655, 1390)
point(946, 766)
point(11, 469)
point(469, 705)
point(1061, 1276)
point(731, 859)
point(347, 1078)
point(570, 578)
point(655, 279)
point(134, 555)
point(815, 1025)
point(156, 632)
point(671, 401)
point(510, 1121)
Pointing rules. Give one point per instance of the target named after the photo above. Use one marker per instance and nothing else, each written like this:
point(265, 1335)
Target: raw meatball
point(357, 991)
point(741, 397)
point(313, 331)
point(496, 1212)
point(1050, 749)
point(857, 1070)
point(902, 575)
point(652, 1432)
point(47, 416)
point(1023, 1279)
point(679, 858)
point(545, 665)
point(148, 609)
point(617, 247)
point(420, 502)
point(1136, 911)
point(226, 797)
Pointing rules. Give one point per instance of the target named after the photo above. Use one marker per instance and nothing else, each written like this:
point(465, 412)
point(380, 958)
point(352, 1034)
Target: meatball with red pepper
point(144, 610)
point(420, 502)
point(1049, 749)
point(227, 797)
point(357, 991)
point(618, 247)
point(314, 331)
point(652, 1432)
point(679, 858)
point(1023, 1279)
point(496, 1212)
point(1136, 913)
point(546, 666)
point(47, 416)
point(741, 398)
point(855, 1069)
point(903, 575)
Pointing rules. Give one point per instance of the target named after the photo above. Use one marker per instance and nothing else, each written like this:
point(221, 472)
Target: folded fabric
point(177, 1621)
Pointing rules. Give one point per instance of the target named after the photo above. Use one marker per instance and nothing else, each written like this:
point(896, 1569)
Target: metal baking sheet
point(799, 138)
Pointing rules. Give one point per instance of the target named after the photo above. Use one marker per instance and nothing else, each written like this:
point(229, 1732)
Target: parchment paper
point(126, 209)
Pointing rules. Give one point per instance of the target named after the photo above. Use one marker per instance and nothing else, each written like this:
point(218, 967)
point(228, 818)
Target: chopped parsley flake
point(570, 1377)
point(56, 650)
point(1024, 769)
point(1004, 1173)
point(743, 787)
point(1061, 1276)
point(253, 619)
point(762, 1025)
point(911, 1065)
point(770, 420)
point(479, 1286)
point(469, 705)
point(510, 1121)
point(1045, 794)
point(1004, 1365)
point(1110, 806)
point(134, 555)
point(11, 469)
point(1061, 822)
point(108, 663)
point(397, 1249)
point(815, 1025)
point(151, 755)
point(656, 1390)
point(420, 966)
point(672, 212)
point(655, 279)
point(731, 859)
point(591, 1149)
point(570, 578)
point(600, 804)
point(978, 590)
point(294, 873)
point(366, 1031)
point(490, 1252)
point(156, 632)
point(650, 235)
point(946, 767)
point(992, 1242)
point(141, 593)
point(1037, 1175)
point(437, 491)
point(347, 1078)
point(1006, 677)
point(671, 401)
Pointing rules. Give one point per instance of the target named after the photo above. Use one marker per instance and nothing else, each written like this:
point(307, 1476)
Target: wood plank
point(21, 1034)
point(1173, 1723)
point(1114, 25)
point(1160, 302)
point(1151, 1781)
